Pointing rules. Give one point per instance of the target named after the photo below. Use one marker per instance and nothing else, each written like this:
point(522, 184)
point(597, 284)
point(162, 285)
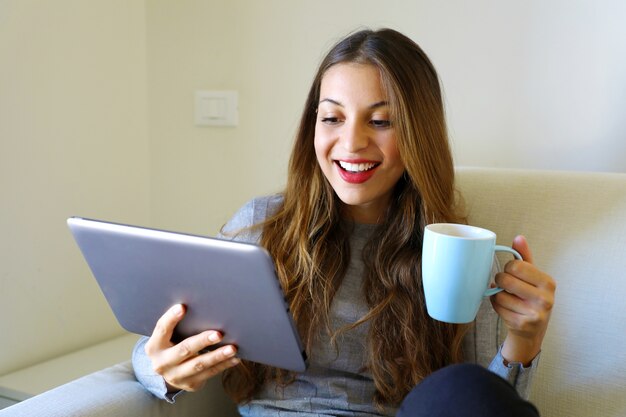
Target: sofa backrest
point(576, 227)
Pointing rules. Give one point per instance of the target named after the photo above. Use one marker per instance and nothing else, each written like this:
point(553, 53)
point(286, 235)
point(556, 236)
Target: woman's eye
point(380, 123)
point(330, 120)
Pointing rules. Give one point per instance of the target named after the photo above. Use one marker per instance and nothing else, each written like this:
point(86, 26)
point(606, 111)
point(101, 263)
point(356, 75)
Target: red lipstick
point(356, 177)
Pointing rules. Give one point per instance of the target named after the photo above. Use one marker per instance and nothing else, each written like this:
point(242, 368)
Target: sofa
point(576, 226)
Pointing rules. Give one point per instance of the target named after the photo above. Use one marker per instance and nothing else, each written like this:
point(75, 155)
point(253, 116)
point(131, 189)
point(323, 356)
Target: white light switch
point(216, 108)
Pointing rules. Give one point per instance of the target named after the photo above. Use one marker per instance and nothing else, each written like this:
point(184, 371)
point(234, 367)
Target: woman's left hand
point(524, 305)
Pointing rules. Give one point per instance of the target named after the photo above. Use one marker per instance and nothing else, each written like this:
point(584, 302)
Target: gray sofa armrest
point(114, 391)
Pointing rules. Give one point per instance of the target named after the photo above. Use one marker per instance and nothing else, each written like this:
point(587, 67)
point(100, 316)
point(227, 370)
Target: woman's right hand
point(182, 366)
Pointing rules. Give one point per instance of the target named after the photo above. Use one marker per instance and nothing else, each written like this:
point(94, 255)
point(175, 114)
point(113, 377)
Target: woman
point(370, 167)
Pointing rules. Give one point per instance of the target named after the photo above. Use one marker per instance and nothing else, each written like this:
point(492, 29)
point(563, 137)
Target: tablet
point(227, 286)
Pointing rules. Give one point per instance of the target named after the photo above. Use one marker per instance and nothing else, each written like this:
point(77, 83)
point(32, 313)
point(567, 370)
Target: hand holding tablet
point(184, 366)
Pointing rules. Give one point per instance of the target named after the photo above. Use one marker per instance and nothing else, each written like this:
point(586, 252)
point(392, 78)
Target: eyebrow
point(338, 103)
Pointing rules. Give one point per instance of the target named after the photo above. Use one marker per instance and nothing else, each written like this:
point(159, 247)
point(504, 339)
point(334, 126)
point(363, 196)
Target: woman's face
point(355, 140)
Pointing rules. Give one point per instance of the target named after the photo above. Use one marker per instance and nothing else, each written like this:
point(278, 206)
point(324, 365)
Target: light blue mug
point(456, 270)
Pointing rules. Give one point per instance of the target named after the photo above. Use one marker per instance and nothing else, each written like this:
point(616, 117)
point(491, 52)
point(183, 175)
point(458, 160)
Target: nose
point(354, 138)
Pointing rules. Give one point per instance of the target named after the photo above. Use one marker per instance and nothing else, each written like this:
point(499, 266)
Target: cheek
point(395, 155)
point(391, 152)
point(322, 147)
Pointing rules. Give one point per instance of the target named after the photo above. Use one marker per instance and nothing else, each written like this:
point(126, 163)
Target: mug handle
point(492, 291)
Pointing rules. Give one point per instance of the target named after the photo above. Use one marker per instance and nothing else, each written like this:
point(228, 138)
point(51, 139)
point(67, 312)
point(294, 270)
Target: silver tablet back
point(226, 286)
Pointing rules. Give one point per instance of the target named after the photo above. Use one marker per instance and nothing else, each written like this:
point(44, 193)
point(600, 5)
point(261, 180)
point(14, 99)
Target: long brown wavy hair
point(308, 236)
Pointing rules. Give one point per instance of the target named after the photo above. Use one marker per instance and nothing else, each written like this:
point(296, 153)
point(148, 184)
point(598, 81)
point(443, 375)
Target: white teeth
point(357, 167)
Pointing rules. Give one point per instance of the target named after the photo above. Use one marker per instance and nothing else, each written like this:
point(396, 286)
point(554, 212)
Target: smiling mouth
point(356, 168)
point(356, 172)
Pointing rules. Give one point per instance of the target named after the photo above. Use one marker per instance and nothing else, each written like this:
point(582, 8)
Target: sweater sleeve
point(151, 381)
point(517, 375)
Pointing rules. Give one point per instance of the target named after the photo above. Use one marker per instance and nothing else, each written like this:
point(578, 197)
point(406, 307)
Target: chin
point(354, 200)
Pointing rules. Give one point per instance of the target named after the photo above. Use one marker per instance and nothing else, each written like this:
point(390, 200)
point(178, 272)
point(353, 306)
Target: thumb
point(520, 244)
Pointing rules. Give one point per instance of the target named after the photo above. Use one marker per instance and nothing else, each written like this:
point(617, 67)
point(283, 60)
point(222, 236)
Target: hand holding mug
point(525, 305)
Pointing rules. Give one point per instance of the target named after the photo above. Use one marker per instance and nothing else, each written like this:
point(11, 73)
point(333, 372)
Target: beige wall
point(96, 118)
point(72, 142)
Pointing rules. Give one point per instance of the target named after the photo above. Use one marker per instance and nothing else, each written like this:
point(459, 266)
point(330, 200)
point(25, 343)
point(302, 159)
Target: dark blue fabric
point(465, 390)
